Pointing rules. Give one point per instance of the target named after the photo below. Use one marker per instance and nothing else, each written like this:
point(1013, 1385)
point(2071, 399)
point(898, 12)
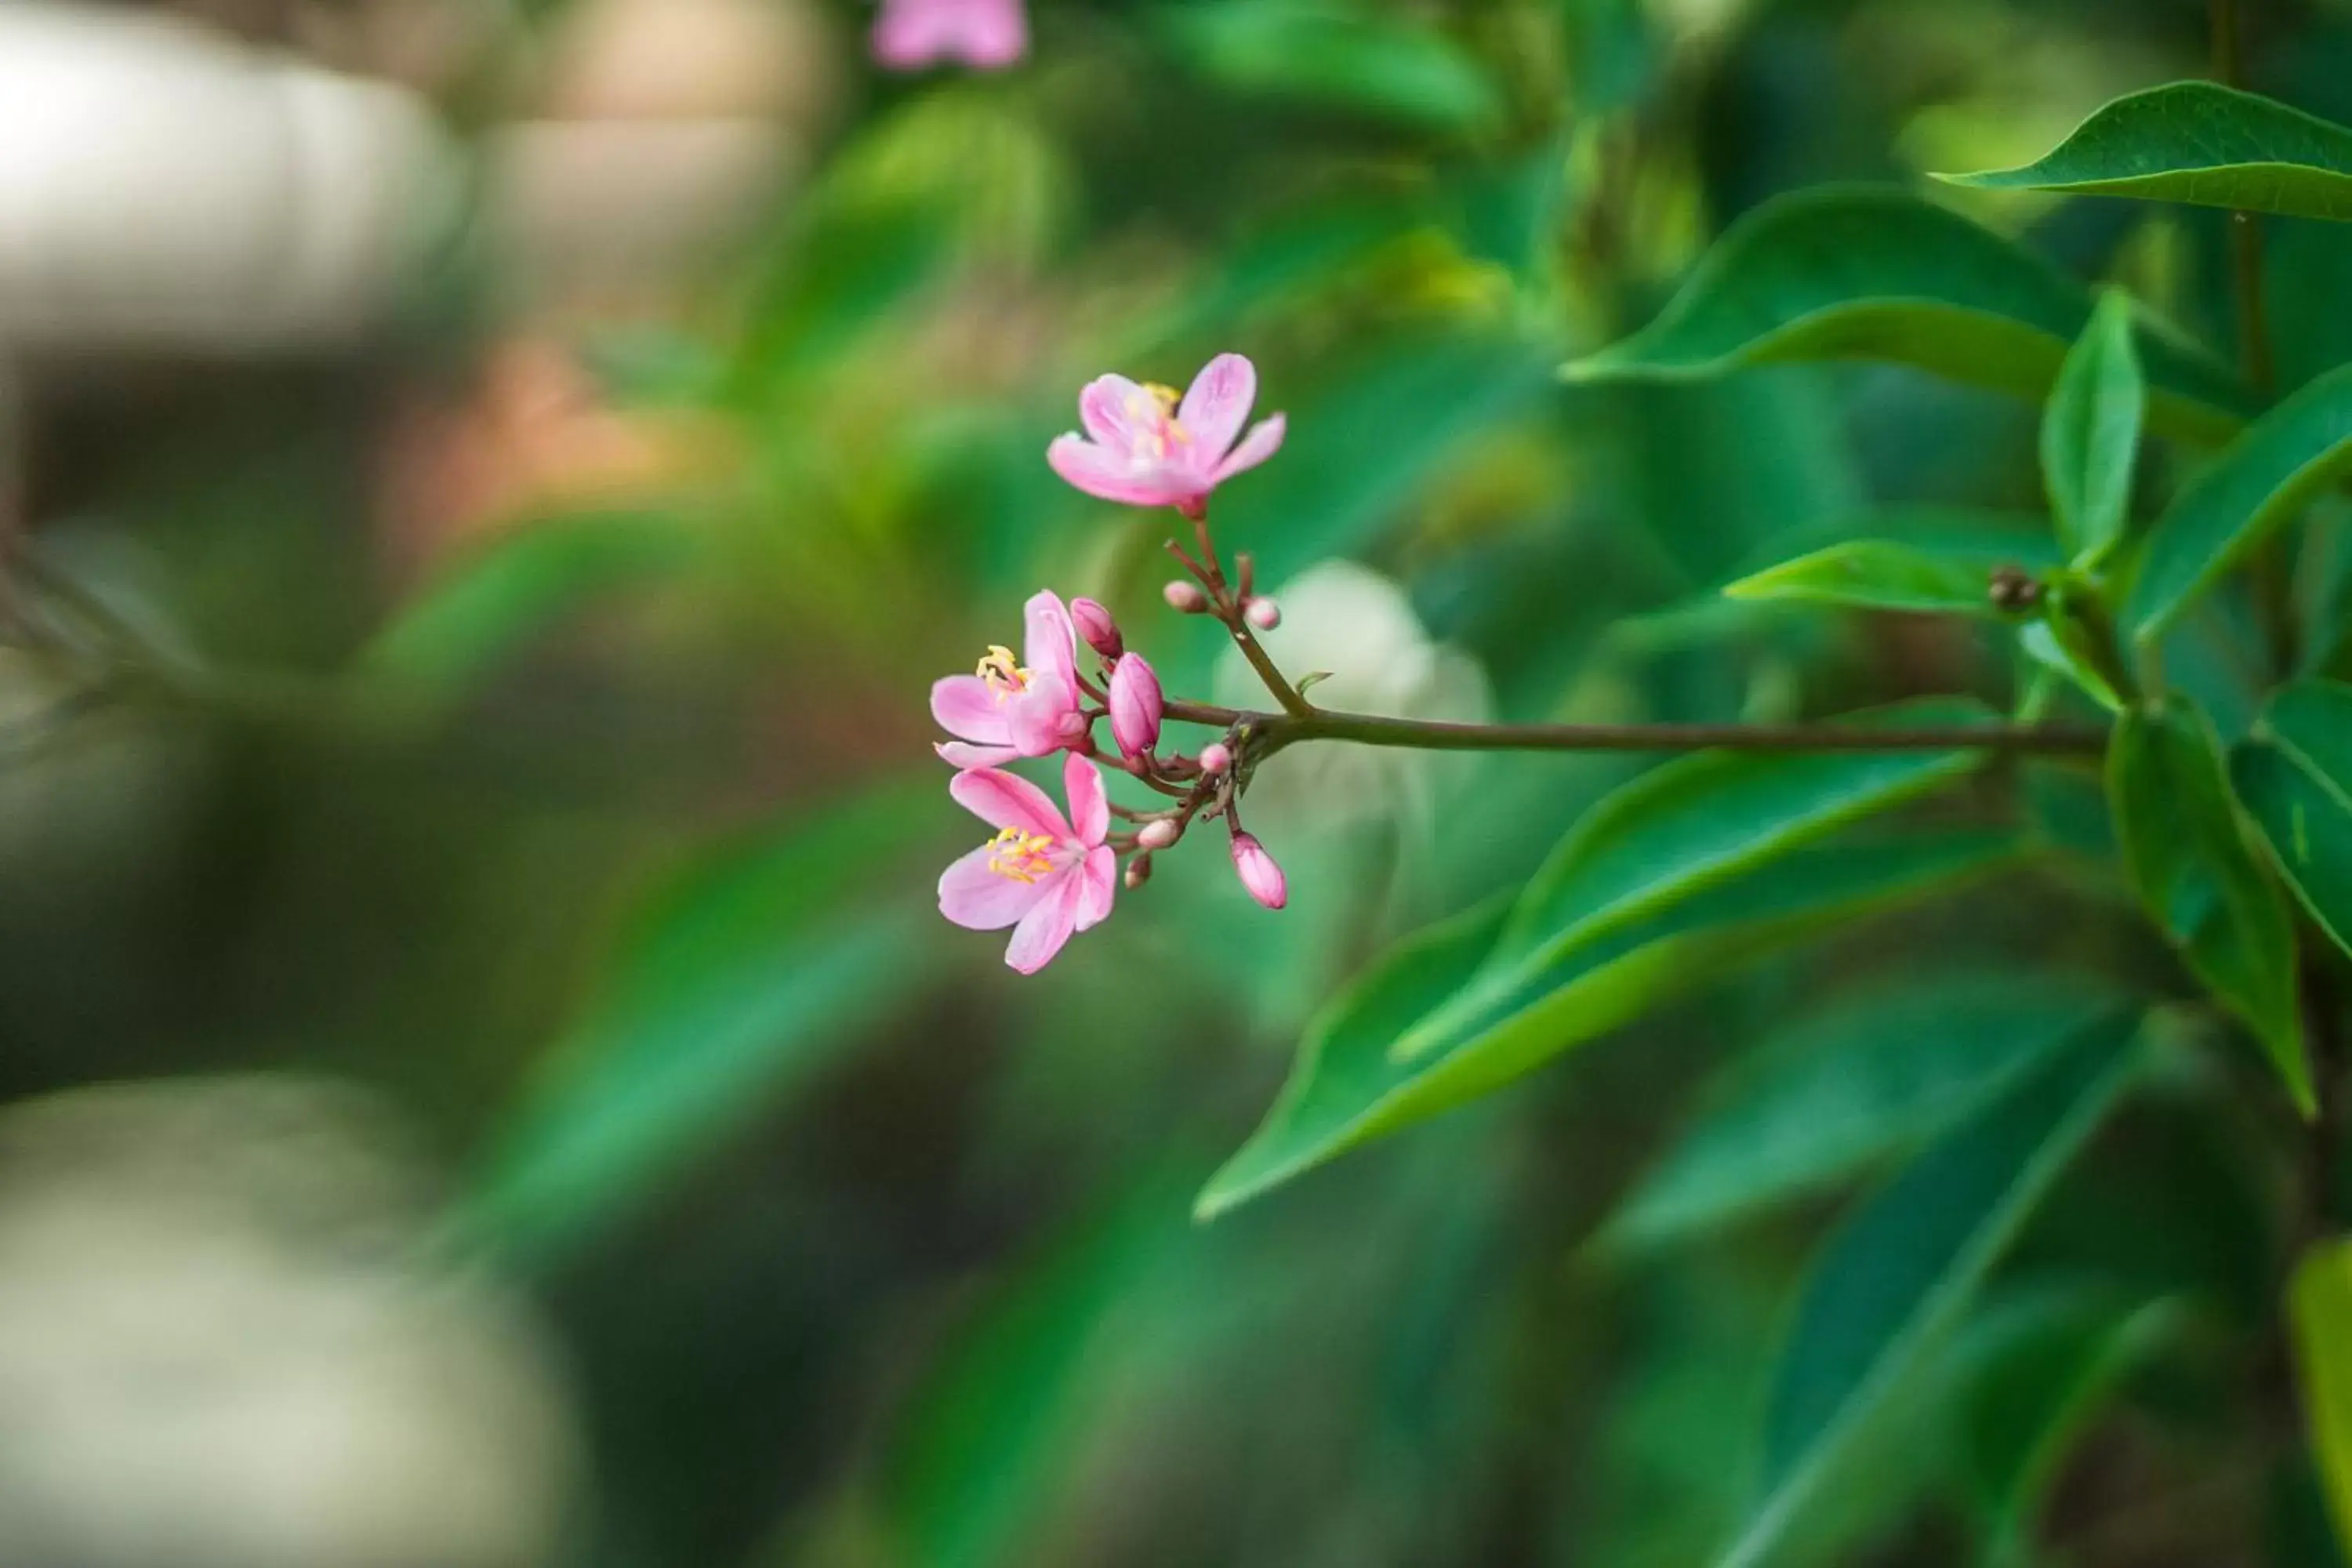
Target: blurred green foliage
point(1888, 1193)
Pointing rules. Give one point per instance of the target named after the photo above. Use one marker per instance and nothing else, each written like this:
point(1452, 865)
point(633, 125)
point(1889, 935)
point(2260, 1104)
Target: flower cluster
point(1048, 875)
point(987, 34)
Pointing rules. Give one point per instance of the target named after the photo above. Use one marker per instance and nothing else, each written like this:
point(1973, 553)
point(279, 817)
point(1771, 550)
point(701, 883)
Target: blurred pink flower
point(985, 34)
point(1010, 710)
point(1043, 875)
point(1136, 705)
point(1143, 447)
point(1259, 873)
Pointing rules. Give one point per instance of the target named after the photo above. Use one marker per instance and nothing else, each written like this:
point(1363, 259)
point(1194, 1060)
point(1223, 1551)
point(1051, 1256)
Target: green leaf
point(743, 980)
point(1846, 273)
point(487, 608)
point(2200, 142)
point(2320, 1301)
point(1836, 1091)
point(1903, 1268)
point(2059, 645)
point(1682, 828)
point(2295, 778)
point(2188, 857)
point(2090, 434)
point(2251, 489)
point(1347, 1087)
point(1884, 574)
point(2048, 1363)
point(1414, 75)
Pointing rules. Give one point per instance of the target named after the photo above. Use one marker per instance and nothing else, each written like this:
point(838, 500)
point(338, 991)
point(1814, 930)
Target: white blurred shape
point(1345, 618)
point(222, 1345)
point(162, 188)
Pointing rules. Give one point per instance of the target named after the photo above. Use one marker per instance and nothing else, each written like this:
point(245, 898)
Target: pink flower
point(1041, 875)
point(1135, 705)
point(984, 34)
point(1258, 872)
point(1009, 710)
point(1147, 449)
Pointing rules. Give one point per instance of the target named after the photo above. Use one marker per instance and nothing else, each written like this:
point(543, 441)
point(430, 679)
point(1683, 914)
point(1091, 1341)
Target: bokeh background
point(487, 485)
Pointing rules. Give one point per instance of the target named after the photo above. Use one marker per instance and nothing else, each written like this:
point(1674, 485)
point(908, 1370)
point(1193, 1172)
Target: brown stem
point(1270, 732)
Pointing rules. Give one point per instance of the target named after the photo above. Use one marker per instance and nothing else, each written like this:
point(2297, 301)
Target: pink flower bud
point(1070, 726)
point(1215, 758)
point(1138, 871)
point(1094, 624)
point(1263, 614)
point(1135, 705)
point(1157, 834)
point(1258, 872)
point(1185, 598)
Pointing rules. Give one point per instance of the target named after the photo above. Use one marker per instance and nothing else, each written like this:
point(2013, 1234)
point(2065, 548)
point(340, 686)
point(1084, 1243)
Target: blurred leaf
point(2295, 778)
point(1347, 1086)
point(1329, 55)
point(2320, 1302)
point(2200, 142)
point(485, 610)
point(2251, 489)
point(1831, 1092)
point(2057, 646)
point(1901, 1270)
point(1884, 574)
point(1847, 273)
point(1678, 829)
point(742, 979)
point(2048, 1363)
point(2207, 892)
point(2090, 433)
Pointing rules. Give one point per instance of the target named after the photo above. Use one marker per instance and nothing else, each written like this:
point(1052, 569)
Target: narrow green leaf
point(488, 607)
point(1838, 1089)
point(2201, 881)
point(1682, 828)
point(2251, 490)
point(2200, 142)
point(2090, 434)
point(1846, 273)
point(1347, 1087)
point(2048, 1363)
point(744, 979)
point(2295, 778)
point(1884, 574)
point(2056, 647)
point(1903, 1268)
point(2320, 1302)
point(1415, 75)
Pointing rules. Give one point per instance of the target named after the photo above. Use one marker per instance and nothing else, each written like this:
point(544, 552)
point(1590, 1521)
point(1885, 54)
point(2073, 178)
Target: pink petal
point(966, 708)
point(1089, 806)
point(1035, 720)
point(909, 34)
point(955, 754)
point(1113, 409)
point(1263, 442)
point(1047, 925)
point(1050, 645)
point(995, 33)
point(1218, 402)
point(1099, 472)
point(1098, 884)
point(977, 898)
point(1004, 800)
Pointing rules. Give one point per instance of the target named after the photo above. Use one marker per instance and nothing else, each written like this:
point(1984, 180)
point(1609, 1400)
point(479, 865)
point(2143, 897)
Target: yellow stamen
point(1167, 397)
point(1023, 856)
point(1002, 675)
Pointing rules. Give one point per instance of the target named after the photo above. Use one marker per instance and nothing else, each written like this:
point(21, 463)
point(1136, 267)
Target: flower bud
point(1215, 758)
point(1263, 612)
point(1135, 705)
point(1185, 598)
point(1258, 872)
point(1138, 871)
point(1094, 624)
point(1071, 726)
point(1156, 834)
